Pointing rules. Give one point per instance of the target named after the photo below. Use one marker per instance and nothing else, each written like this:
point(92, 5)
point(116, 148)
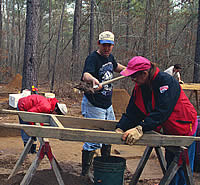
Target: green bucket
point(109, 170)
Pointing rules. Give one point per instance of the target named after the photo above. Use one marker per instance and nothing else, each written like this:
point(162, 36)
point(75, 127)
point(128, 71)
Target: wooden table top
point(191, 86)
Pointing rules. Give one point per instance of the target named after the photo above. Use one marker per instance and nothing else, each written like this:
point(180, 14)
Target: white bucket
point(26, 92)
point(49, 95)
point(13, 99)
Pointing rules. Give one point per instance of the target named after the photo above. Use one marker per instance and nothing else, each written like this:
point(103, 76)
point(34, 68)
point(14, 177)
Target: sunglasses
point(135, 75)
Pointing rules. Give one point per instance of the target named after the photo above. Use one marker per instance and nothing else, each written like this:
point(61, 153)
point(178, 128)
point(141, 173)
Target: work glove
point(119, 130)
point(132, 135)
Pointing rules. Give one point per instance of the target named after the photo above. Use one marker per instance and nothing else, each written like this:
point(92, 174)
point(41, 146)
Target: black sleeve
point(90, 66)
point(131, 118)
point(114, 63)
point(165, 102)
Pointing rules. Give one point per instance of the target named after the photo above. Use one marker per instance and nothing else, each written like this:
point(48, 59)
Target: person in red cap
point(157, 103)
point(39, 104)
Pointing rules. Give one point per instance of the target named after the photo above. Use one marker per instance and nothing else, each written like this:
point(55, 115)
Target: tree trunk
point(155, 45)
point(30, 59)
point(19, 39)
point(166, 33)
point(127, 26)
point(91, 39)
point(1, 45)
point(57, 46)
point(146, 27)
point(7, 20)
point(75, 42)
point(12, 48)
point(49, 49)
point(196, 77)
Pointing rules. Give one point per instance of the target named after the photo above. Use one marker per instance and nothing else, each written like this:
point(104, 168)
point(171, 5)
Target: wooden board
point(66, 121)
point(90, 130)
point(191, 86)
point(107, 137)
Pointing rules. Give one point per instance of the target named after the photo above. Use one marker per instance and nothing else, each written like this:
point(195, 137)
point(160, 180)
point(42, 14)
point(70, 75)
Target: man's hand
point(97, 86)
point(87, 77)
point(132, 135)
point(119, 130)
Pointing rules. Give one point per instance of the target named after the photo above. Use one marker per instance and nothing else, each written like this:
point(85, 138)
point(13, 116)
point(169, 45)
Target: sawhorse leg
point(181, 159)
point(22, 157)
point(144, 160)
point(161, 159)
point(45, 149)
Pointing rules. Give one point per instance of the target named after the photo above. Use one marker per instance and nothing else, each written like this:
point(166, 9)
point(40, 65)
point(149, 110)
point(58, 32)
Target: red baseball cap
point(136, 64)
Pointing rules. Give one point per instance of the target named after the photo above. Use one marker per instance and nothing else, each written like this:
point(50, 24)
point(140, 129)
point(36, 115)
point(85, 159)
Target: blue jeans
point(179, 178)
point(90, 111)
point(24, 136)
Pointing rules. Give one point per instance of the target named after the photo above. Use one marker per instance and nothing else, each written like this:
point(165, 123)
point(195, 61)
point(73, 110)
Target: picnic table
point(67, 128)
point(194, 88)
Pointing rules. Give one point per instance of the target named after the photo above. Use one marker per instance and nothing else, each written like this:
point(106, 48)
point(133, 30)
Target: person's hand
point(119, 130)
point(132, 135)
point(181, 82)
point(96, 85)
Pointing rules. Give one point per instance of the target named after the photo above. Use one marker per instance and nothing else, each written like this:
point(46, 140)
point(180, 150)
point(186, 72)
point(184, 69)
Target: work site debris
point(85, 87)
point(16, 82)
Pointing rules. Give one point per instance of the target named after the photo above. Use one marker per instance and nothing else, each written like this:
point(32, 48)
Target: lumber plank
point(191, 86)
point(107, 137)
point(29, 116)
point(66, 121)
point(87, 123)
point(55, 122)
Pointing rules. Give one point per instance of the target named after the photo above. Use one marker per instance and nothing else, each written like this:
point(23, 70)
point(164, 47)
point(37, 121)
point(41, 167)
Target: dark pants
point(24, 136)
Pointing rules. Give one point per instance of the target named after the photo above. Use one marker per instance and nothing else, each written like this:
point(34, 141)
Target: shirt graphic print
point(106, 73)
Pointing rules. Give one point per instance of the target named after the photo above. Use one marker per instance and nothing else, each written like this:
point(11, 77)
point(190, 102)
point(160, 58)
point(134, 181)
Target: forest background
point(47, 41)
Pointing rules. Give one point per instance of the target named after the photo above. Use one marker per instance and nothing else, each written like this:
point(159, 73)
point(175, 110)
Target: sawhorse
point(181, 159)
point(44, 149)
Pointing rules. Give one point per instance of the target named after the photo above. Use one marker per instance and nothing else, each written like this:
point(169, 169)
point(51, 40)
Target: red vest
point(182, 120)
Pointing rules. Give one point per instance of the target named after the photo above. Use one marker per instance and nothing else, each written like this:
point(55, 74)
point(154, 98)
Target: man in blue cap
point(99, 67)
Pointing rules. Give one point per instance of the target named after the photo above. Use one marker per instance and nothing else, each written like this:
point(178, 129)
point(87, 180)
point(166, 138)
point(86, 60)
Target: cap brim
point(127, 72)
point(106, 42)
point(62, 108)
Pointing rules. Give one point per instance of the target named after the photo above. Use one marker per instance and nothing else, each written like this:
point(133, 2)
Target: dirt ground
point(68, 154)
